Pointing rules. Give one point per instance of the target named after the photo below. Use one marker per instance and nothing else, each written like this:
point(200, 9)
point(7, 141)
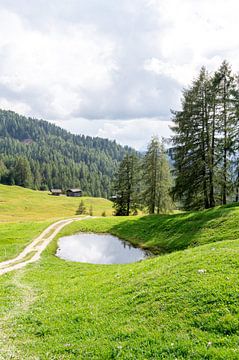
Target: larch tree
point(205, 140)
point(126, 186)
point(157, 179)
point(22, 172)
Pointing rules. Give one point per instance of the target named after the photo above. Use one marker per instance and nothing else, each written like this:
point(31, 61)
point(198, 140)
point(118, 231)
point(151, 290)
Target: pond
point(98, 249)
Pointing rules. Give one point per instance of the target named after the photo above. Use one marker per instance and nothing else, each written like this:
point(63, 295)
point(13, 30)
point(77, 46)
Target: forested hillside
point(40, 155)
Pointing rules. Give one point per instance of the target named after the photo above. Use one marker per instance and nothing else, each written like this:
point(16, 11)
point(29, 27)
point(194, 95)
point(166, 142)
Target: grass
point(25, 213)
point(161, 308)
point(15, 236)
point(166, 233)
point(181, 305)
point(19, 204)
point(25, 258)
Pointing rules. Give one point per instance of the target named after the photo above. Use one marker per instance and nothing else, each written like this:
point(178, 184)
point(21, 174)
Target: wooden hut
point(74, 192)
point(56, 192)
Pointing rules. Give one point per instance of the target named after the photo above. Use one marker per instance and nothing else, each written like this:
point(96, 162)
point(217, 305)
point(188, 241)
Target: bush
point(81, 209)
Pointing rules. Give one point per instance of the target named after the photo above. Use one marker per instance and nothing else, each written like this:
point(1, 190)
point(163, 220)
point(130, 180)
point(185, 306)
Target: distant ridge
point(55, 158)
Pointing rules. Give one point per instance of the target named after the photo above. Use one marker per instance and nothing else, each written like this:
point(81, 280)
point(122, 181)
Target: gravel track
point(33, 251)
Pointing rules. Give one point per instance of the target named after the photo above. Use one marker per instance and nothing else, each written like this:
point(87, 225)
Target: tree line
point(205, 141)
point(40, 155)
point(143, 182)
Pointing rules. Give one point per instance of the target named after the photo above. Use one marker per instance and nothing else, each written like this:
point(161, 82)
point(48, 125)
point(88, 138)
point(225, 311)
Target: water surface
point(98, 249)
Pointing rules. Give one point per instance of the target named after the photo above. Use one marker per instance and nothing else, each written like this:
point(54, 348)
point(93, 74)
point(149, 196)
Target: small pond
point(98, 249)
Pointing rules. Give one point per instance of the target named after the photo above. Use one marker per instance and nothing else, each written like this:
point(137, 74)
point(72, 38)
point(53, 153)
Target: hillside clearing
point(20, 204)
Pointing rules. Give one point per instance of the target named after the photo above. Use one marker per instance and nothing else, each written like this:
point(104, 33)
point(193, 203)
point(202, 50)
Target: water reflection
point(98, 249)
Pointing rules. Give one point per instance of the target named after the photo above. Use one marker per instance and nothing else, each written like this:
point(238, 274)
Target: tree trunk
point(211, 168)
point(224, 188)
point(205, 190)
point(237, 187)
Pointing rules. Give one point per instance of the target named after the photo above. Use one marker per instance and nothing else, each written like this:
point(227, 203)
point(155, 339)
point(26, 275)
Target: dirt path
point(33, 251)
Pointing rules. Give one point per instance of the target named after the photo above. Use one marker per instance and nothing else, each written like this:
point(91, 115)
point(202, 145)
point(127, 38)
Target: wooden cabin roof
point(56, 191)
point(74, 190)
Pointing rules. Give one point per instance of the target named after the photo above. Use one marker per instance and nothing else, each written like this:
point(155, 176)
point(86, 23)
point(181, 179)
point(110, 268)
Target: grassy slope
point(19, 204)
point(166, 233)
point(161, 308)
point(15, 236)
point(25, 213)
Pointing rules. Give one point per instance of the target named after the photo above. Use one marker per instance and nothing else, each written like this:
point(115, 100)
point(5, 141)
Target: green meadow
point(25, 213)
point(182, 304)
point(19, 204)
point(166, 233)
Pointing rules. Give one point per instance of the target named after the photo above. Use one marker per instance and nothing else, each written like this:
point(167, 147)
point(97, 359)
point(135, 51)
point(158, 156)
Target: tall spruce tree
point(157, 179)
point(206, 139)
point(192, 145)
point(165, 183)
point(22, 172)
point(227, 123)
point(126, 186)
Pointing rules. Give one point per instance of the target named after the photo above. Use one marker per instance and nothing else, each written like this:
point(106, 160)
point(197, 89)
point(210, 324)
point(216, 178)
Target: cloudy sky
point(110, 68)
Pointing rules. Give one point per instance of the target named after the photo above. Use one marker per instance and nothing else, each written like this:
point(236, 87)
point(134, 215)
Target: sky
point(110, 68)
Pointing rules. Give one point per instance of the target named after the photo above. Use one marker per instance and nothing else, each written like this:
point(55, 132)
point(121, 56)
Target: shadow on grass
point(167, 233)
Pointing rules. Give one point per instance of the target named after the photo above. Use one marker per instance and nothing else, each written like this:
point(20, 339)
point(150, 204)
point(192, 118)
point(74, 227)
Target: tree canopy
point(205, 141)
point(40, 155)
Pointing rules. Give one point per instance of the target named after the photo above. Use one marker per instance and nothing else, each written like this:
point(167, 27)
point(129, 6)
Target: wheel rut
point(33, 251)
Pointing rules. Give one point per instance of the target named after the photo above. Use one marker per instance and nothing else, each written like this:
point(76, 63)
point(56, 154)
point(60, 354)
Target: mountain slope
point(55, 157)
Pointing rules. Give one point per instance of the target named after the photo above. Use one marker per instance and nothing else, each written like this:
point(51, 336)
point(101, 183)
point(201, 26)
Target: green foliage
point(144, 183)
point(21, 173)
point(127, 186)
point(91, 211)
point(81, 209)
point(206, 140)
point(157, 179)
point(57, 159)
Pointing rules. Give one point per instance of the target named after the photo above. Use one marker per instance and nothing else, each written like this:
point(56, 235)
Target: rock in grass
point(202, 271)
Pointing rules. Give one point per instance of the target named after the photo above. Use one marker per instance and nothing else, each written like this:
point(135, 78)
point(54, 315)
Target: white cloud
point(135, 132)
point(195, 33)
point(58, 65)
point(93, 60)
point(16, 106)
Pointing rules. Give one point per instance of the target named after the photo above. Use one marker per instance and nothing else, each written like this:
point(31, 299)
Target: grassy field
point(15, 236)
point(19, 204)
point(166, 233)
point(182, 305)
point(25, 213)
point(163, 308)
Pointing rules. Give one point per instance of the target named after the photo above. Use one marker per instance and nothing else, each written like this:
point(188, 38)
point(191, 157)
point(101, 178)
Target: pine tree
point(3, 170)
point(22, 172)
point(157, 179)
point(81, 209)
point(165, 184)
point(227, 122)
point(91, 211)
point(206, 140)
point(126, 186)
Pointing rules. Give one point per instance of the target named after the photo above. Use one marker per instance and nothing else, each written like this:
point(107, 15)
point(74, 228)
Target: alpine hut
point(74, 192)
point(56, 192)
